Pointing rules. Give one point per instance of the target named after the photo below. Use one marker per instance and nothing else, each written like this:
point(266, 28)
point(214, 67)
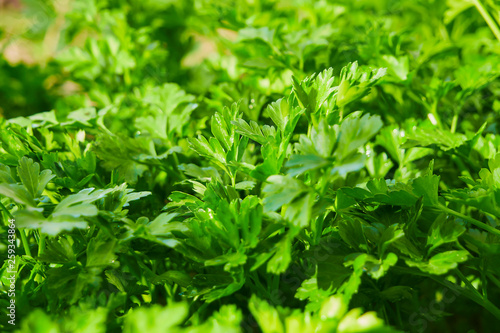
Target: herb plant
point(257, 166)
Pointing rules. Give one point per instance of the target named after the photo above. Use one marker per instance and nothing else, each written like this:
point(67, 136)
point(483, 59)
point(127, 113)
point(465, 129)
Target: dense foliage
point(255, 165)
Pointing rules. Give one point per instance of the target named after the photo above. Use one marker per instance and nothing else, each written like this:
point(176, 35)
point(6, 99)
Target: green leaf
point(285, 190)
point(211, 149)
point(18, 193)
point(80, 204)
point(52, 225)
point(229, 261)
point(396, 293)
point(281, 190)
point(251, 131)
point(299, 164)
point(100, 252)
point(351, 231)
point(355, 131)
point(29, 173)
point(355, 83)
point(123, 155)
point(390, 235)
point(155, 318)
point(169, 110)
point(427, 187)
point(267, 316)
point(441, 263)
point(442, 231)
point(357, 321)
point(280, 113)
point(427, 134)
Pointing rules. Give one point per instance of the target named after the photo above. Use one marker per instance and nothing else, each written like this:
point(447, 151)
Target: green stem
point(275, 284)
point(51, 197)
point(454, 123)
point(484, 280)
point(473, 221)
point(176, 160)
point(467, 283)
point(384, 311)
point(233, 179)
point(168, 288)
point(9, 215)
point(475, 297)
point(24, 240)
point(341, 114)
point(41, 244)
point(487, 17)
point(201, 308)
point(461, 166)
point(494, 280)
point(398, 316)
point(256, 282)
point(434, 112)
point(472, 295)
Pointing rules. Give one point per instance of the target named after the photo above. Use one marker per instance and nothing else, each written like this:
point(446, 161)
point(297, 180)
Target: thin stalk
point(256, 282)
point(398, 316)
point(473, 296)
point(24, 239)
point(467, 283)
point(384, 311)
point(41, 244)
point(463, 169)
point(174, 290)
point(454, 122)
point(9, 215)
point(192, 313)
point(233, 178)
point(487, 17)
point(275, 282)
point(433, 111)
point(484, 280)
point(494, 280)
point(473, 221)
point(51, 197)
point(168, 288)
point(176, 160)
